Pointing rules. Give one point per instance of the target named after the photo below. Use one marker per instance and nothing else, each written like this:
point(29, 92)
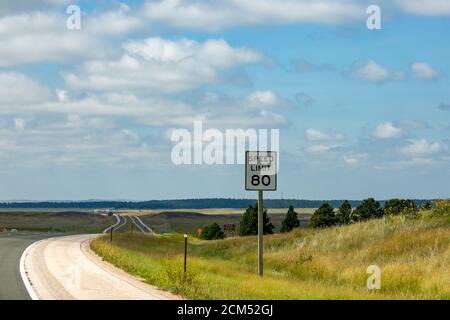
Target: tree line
point(178, 204)
point(324, 216)
point(327, 216)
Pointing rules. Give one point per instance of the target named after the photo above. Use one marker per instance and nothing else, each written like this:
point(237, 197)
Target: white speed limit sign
point(261, 170)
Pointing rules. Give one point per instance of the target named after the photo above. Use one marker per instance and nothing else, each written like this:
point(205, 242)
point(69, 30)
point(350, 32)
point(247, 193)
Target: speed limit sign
point(261, 170)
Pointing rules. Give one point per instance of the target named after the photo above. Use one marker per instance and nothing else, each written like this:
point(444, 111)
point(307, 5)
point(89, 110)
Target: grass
point(189, 221)
point(55, 221)
point(414, 256)
point(213, 211)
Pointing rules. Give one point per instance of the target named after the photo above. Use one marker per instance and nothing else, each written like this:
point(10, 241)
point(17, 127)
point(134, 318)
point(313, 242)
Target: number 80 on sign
point(261, 170)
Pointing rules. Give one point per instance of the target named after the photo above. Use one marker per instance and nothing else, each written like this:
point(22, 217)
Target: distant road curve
point(121, 221)
point(142, 226)
point(65, 268)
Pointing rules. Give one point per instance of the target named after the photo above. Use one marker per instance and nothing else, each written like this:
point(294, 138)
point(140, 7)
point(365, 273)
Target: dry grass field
point(413, 254)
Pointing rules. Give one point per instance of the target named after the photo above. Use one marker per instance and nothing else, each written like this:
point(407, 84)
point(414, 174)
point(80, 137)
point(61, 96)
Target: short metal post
point(112, 229)
point(185, 252)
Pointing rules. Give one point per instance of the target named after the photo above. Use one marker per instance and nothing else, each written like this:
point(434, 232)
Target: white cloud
point(420, 147)
point(217, 15)
point(16, 88)
point(425, 7)
point(115, 22)
point(266, 99)
point(42, 36)
point(424, 71)
point(374, 72)
point(320, 148)
point(355, 159)
point(316, 135)
point(387, 131)
point(162, 65)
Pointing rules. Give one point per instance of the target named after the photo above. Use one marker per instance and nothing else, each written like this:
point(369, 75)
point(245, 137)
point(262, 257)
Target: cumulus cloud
point(42, 36)
point(420, 147)
point(374, 72)
point(423, 71)
point(387, 130)
point(316, 135)
point(162, 65)
point(264, 99)
point(217, 15)
point(425, 7)
point(16, 88)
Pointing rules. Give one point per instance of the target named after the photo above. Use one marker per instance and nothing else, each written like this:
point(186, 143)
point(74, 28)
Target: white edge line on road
point(136, 224)
point(148, 228)
point(113, 226)
point(23, 273)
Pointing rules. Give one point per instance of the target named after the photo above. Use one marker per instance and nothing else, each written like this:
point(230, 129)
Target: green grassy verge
point(414, 256)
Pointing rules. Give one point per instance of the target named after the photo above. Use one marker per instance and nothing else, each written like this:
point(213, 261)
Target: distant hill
point(177, 204)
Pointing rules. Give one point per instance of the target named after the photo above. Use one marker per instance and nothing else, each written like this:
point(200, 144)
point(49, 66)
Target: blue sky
point(88, 113)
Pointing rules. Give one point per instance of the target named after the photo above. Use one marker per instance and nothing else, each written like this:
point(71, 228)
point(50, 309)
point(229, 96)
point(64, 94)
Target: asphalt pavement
point(12, 245)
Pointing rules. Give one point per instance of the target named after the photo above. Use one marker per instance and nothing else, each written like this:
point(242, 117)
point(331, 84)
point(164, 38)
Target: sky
point(88, 113)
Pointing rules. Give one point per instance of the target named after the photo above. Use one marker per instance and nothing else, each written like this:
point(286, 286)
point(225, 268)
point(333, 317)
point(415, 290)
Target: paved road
point(12, 246)
point(65, 268)
point(121, 221)
point(142, 226)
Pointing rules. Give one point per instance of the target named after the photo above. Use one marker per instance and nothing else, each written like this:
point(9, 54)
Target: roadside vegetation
point(323, 262)
point(55, 221)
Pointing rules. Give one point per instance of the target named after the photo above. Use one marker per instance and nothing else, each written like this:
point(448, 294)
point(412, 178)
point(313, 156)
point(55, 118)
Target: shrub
point(368, 209)
point(427, 206)
point(290, 221)
point(400, 207)
point(249, 222)
point(441, 207)
point(344, 214)
point(323, 217)
point(212, 232)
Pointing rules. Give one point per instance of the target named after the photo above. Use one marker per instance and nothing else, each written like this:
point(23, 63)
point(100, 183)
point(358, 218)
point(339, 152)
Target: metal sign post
point(261, 175)
point(260, 233)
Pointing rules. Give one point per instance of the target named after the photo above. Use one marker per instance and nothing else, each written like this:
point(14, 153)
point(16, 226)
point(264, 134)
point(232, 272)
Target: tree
point(249, 222)
point(368, 209)
point(427, 206)
point(290, 221)
point(323, 217)
point(400, 207)
point(344, 214)
point(212, 232)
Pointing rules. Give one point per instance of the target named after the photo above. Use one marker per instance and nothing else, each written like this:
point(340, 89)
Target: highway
point(121, 221)
point(65, 268)
point(142, 226)
point(12, 246)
